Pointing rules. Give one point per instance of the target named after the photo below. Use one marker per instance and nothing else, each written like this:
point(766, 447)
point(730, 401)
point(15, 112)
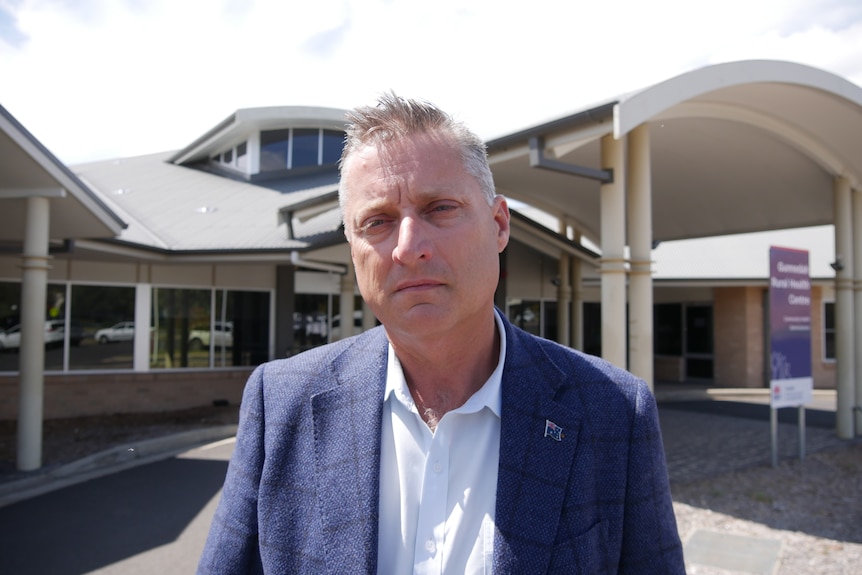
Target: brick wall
point(823, 371)
point(738, 330)
point(73, 395)
point(739, 338)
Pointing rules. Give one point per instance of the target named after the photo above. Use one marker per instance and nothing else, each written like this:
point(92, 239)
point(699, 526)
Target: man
point(446, 440)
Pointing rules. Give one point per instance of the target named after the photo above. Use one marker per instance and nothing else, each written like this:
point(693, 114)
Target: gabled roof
point(181, 209)
point(28, 169)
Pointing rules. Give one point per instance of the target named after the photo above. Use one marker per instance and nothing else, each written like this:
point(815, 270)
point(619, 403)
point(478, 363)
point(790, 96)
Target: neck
point(443, 375)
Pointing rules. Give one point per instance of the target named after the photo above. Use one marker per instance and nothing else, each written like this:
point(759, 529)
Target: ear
point(501, 218)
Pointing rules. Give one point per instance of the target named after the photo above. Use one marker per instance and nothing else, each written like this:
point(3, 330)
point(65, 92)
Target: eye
point(442, 207)
point(374, 224)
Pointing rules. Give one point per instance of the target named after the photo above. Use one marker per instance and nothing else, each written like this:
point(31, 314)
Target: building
point(158, 282)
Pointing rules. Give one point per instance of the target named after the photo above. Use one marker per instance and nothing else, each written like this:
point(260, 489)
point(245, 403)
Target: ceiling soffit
point(739, 147)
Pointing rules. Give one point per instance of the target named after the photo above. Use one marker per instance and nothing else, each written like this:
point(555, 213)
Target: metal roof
point(179, 208)
point(28, 169)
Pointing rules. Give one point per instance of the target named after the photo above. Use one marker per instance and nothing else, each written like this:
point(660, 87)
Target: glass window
point(306, 144)
point(55, 326)
point(242, 156)
point(526, 315)
point(179, 316)
point(55, 315)
point(10, 318)
point(310, 321)
point(228, 156)
point(336, 332)
point(698, 329)
point(333, 142)
point(592, 334)
point(549, 325)
point(240, 333)
point(273, 150)
point(104, 316)
point(829, 330)
point(667, 329)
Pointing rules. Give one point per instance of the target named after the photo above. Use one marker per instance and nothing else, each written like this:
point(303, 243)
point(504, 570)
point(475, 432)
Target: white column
point(346, 306)
point(368, 318)
point(564, 294)
point(577, 312)
point(613, 262)
point(34, 287)
point(639, 198)
point(143, 335)
point(844, 336)
point(856, 235)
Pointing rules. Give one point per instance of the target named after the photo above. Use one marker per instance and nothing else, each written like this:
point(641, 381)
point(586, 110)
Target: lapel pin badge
point(553, 430)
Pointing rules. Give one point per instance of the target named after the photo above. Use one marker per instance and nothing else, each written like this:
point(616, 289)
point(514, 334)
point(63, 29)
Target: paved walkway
point(705, 434)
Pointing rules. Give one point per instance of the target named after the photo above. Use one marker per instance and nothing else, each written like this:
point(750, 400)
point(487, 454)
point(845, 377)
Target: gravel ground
point(812, 507)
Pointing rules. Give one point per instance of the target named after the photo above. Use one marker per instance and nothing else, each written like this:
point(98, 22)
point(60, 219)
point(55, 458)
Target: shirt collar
point(489, 395)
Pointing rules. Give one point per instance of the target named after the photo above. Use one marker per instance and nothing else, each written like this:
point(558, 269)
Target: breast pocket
point(586, 554)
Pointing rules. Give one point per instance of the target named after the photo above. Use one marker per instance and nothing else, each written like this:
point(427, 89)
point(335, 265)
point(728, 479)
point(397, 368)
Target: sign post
point(791, 382)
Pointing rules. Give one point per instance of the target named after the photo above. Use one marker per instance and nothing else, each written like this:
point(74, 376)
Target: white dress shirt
point(438, 489)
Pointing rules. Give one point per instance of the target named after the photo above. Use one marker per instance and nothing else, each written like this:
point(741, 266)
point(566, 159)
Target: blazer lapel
point(538, 443)
point(347, 423)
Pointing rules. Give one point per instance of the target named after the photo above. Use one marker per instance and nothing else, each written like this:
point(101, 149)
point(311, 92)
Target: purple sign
point(790, 326)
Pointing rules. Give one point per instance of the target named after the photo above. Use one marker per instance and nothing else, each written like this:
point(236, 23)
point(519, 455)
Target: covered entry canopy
point(738, 147)
point(29, 170)
point(41, 202)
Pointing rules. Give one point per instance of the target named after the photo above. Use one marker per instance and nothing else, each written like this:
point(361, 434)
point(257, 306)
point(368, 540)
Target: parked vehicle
point(55, 332)
point(122, 331)
point(10, 338)
point(336, 324)
point(222, 336)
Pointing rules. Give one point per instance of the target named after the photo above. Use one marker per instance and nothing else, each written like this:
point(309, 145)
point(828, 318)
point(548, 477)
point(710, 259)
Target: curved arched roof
point(243, 122)
point(737, 147)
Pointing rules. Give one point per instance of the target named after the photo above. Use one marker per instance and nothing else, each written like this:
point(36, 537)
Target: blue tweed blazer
point(301, 493)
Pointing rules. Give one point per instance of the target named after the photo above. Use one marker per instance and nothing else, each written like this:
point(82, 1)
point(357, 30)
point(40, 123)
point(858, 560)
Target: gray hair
point(394, 118)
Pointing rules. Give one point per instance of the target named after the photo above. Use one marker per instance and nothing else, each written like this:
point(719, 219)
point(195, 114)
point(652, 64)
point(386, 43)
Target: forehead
point(427, 155)
point(416, 162)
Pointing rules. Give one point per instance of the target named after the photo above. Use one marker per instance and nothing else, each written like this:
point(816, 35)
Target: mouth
point(417, 286)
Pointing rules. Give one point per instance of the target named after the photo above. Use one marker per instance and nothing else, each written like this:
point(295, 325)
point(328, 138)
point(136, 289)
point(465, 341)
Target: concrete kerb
point(110, 461)
point(746, 394)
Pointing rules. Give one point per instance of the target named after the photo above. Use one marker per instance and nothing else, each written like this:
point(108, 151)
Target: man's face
point(423, 237)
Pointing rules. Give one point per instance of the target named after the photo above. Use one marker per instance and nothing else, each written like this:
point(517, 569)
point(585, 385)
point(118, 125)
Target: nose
point(413, 244)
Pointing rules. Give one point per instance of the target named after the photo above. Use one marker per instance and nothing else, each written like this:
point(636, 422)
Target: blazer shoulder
point(323, 367)
point(574, 377)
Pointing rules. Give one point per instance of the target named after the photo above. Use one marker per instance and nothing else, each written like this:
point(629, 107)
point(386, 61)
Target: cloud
point(10, 33)
point(98, 78)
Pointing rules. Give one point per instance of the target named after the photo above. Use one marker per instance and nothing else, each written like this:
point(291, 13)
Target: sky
point(102, 79)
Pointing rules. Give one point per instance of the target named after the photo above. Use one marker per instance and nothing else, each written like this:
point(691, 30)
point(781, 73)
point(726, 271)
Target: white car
point(54, 335)
point(123, 331)
point(10, 338)
point(222, 336)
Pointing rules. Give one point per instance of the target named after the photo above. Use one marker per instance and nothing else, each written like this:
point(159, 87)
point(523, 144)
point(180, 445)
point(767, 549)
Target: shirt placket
point(431, 523)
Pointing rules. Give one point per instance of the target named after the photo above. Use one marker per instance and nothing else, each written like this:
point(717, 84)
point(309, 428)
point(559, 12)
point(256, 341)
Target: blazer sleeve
point(651, 541)
point(232, 545)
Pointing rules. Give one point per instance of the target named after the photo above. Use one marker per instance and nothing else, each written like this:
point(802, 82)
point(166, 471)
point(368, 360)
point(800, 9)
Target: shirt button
point(437, 467)
point(430, 546)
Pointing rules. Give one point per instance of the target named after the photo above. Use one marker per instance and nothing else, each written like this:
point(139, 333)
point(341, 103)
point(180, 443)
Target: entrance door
point(698, 342)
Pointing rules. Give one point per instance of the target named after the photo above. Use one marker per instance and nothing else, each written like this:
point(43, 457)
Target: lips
point(417, 285)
